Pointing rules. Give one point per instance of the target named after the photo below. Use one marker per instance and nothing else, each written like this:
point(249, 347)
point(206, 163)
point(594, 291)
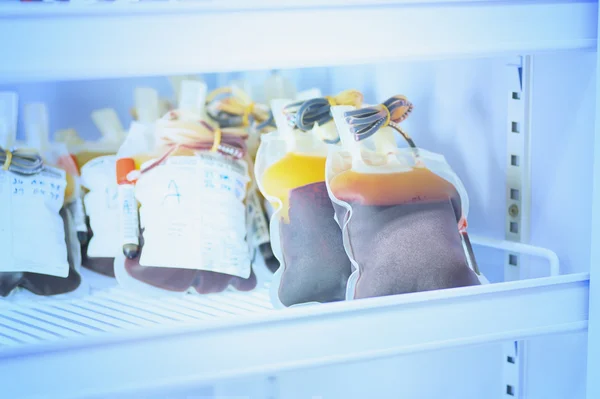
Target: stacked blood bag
point(96, 166)
point(290, 169)
point(402, 211)
point(190, 179)
point(38, 183)
point(232, 107)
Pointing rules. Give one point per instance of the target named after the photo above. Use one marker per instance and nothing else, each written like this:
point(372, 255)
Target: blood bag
point(43, 284)
point(34, 220)
point(233, 107)
point(96, 167)
point(191, 188)
point(38, 239)
point(402, 211)
point(290, 168)
point(102, 209)
point(98, 176)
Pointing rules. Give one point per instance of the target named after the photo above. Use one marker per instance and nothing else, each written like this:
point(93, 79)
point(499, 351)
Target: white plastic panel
point(593, 360)
point(441, 374)
point(137, 39)
point(557, 367)
point(563, 111)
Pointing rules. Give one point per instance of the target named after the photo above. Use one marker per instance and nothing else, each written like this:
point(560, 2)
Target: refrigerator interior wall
point(460, 111)
point(562, 157)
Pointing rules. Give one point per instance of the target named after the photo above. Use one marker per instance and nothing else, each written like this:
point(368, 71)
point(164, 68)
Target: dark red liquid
point(316, 265)
point(179, 280)
point(104, 266)
point(407, 248)
point(42, 284)
point(403, 232)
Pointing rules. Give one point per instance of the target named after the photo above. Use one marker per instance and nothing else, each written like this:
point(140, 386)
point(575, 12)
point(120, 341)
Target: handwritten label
point(129, 219)
point(78, 213)
point(257, 225)
point(32, 235)
point(193, 214)
point(102, 206)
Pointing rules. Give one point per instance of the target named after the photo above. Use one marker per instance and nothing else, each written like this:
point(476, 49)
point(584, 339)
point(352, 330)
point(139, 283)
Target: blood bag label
point(32, 234)
point(129, 220)
point(79, 214)
point(102, 206)
point(193, 214)
point(258, 228)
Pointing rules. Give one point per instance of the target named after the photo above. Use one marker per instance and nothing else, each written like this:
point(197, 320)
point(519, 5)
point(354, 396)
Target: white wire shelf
point(61, 41)
point(115, 310)
point(139, 344)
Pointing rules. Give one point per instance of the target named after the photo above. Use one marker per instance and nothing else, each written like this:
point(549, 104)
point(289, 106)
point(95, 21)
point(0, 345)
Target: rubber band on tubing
point(388, 117)
point(247, 111)
point(8, 160)
point(217, 141)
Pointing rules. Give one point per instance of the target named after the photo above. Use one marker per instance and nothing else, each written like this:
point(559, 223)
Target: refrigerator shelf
point(137, 344)
point(83, 40)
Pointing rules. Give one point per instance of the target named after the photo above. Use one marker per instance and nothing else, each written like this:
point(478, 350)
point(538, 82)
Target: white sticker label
point(32, 234)
point(78, 214)
point(258, 228)
point(102, 206)
point(193, 214)
point(129, 220)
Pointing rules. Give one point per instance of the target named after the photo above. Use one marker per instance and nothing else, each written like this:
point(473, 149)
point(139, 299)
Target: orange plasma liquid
point(385, 189)
point(70, 189)
point(290, 172)
point(140, 159)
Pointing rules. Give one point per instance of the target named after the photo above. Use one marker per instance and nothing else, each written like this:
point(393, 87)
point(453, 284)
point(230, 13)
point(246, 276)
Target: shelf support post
point(518, 204)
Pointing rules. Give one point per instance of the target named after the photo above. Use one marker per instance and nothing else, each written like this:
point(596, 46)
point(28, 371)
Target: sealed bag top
point(294, 155)
point(372, 169)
